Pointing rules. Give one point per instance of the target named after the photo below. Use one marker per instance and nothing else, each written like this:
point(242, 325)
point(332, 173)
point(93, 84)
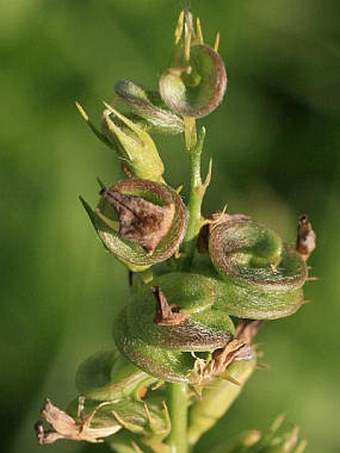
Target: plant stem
point(190, 132)
point(197, 189)
point(178, 408)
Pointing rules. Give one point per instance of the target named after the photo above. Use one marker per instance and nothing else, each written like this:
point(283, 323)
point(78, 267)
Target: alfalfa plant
point(200, 285)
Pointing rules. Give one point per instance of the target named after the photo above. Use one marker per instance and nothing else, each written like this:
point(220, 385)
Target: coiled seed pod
point(165, 342)
point(200, 92)
point(262, 275)
point(252, 253)
point(195, 81)
point(140, 222)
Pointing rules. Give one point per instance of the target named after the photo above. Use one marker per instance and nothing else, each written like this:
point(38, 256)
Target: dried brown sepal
point(140, 220)
point(237, 349)
point(65, 427)
point(167, 314)
point(222, 358)
point(305, 238)
point(247, 329)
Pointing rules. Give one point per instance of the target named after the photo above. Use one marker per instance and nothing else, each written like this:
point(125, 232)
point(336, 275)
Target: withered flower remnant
point(306, 238)
point(65, 427)
point(140, 220)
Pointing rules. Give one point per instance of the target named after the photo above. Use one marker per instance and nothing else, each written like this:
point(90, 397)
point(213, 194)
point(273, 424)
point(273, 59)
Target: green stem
point(190, 132)
point(197, 191)
point(178, 408)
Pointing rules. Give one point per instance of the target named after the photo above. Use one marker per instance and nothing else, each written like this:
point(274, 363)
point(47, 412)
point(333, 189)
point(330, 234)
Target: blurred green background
point(275, 143)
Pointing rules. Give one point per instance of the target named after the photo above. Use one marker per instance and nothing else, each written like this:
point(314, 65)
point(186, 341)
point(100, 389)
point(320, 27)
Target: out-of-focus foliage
point(275, 143)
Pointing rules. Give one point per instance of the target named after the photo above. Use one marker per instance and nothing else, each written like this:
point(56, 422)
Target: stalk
point(197, 191)
point(178, 408)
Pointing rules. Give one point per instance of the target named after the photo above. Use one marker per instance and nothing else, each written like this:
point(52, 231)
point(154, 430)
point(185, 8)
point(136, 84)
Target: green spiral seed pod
point(165, 342)
point(252, 253)
point(199, 90)
point(195, 81)
point(140, 222)
point(263, 276)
